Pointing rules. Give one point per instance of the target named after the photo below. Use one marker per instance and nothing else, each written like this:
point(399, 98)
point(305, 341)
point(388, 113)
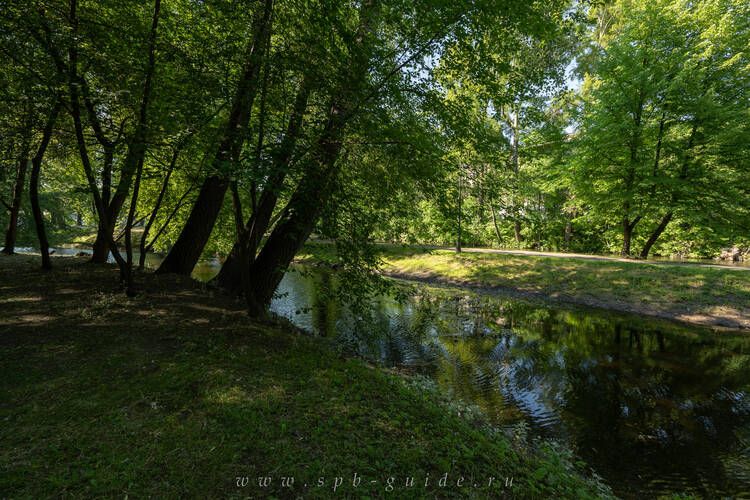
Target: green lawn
point(174, 393)
point(697, 294)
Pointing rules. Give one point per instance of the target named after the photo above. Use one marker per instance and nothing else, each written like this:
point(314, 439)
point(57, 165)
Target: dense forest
point(239, 128)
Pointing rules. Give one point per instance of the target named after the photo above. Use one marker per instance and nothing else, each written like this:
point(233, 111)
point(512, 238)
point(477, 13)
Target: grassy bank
point(175, 393)
point(702, 295)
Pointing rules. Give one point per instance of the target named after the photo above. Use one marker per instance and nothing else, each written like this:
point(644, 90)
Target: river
point(654, 407)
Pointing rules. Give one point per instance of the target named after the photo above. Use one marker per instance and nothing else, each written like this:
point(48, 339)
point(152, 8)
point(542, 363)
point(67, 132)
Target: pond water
point(654, 407)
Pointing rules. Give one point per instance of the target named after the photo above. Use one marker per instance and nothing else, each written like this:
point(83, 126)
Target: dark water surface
point(653, 406)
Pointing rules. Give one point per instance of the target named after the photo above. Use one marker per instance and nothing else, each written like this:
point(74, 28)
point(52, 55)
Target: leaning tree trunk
point(290, 233)
point(675, 196)
point(36, 165)
point(15, 206)
point(314, 189)
point(155, 210)
point(655, 235)
point(139, 147)
point(229, 276)
point(189, 245)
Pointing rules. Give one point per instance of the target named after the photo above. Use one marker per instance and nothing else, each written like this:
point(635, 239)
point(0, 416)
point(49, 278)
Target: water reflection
point(653, 406)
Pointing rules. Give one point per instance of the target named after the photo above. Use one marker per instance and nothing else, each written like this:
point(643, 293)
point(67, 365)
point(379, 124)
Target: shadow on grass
point(176, 393)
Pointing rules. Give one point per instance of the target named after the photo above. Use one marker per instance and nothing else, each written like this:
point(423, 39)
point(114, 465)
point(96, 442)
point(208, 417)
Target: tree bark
point(655, 234)
point(36, 165)
point(315, 187)
point(229, 276)
point(189, 245)
point(139, 146)
point(15, 205)
point(155, 211)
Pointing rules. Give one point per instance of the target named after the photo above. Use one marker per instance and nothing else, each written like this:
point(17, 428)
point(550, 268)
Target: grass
point(176, 393)
point(702, 295)
point(70, 236)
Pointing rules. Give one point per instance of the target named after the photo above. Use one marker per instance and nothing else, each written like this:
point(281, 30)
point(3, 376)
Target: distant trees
point(654, 142)
point(664, 111)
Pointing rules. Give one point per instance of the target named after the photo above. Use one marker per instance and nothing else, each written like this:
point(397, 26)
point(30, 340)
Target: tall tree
point(189, 246)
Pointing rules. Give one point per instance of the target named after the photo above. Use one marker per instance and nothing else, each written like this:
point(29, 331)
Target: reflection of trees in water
point(634, 396)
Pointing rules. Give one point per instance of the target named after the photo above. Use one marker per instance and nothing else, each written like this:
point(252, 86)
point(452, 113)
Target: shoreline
point(701, 295)
point(605, 306)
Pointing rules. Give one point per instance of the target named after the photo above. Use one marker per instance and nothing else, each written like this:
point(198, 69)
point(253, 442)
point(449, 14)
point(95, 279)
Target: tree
point(663, 82)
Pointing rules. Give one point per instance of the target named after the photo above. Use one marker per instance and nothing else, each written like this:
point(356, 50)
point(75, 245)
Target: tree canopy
point(239, 128)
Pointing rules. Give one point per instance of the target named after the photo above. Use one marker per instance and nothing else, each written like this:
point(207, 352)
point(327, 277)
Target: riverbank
point(702, 295)
point(176, 393)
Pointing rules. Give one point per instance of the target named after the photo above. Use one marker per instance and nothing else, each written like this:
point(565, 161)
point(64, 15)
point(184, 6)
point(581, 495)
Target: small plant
point(100, 305)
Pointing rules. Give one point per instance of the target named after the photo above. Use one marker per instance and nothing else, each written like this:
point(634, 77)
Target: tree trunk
point(655, 235)
point(315, 187)
point(627, 232)
point(229, 276)
point(626, 235)
point(36, 165)
point(187, 250)
point(155, 211)
point(139, 146)
point(290, 233)
point(494, 223)
point(675, 195)
point(79, 219)
point(75, 111)
point(100, 249)
point(15, 204)
point(458, 217)
point(516, 170)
